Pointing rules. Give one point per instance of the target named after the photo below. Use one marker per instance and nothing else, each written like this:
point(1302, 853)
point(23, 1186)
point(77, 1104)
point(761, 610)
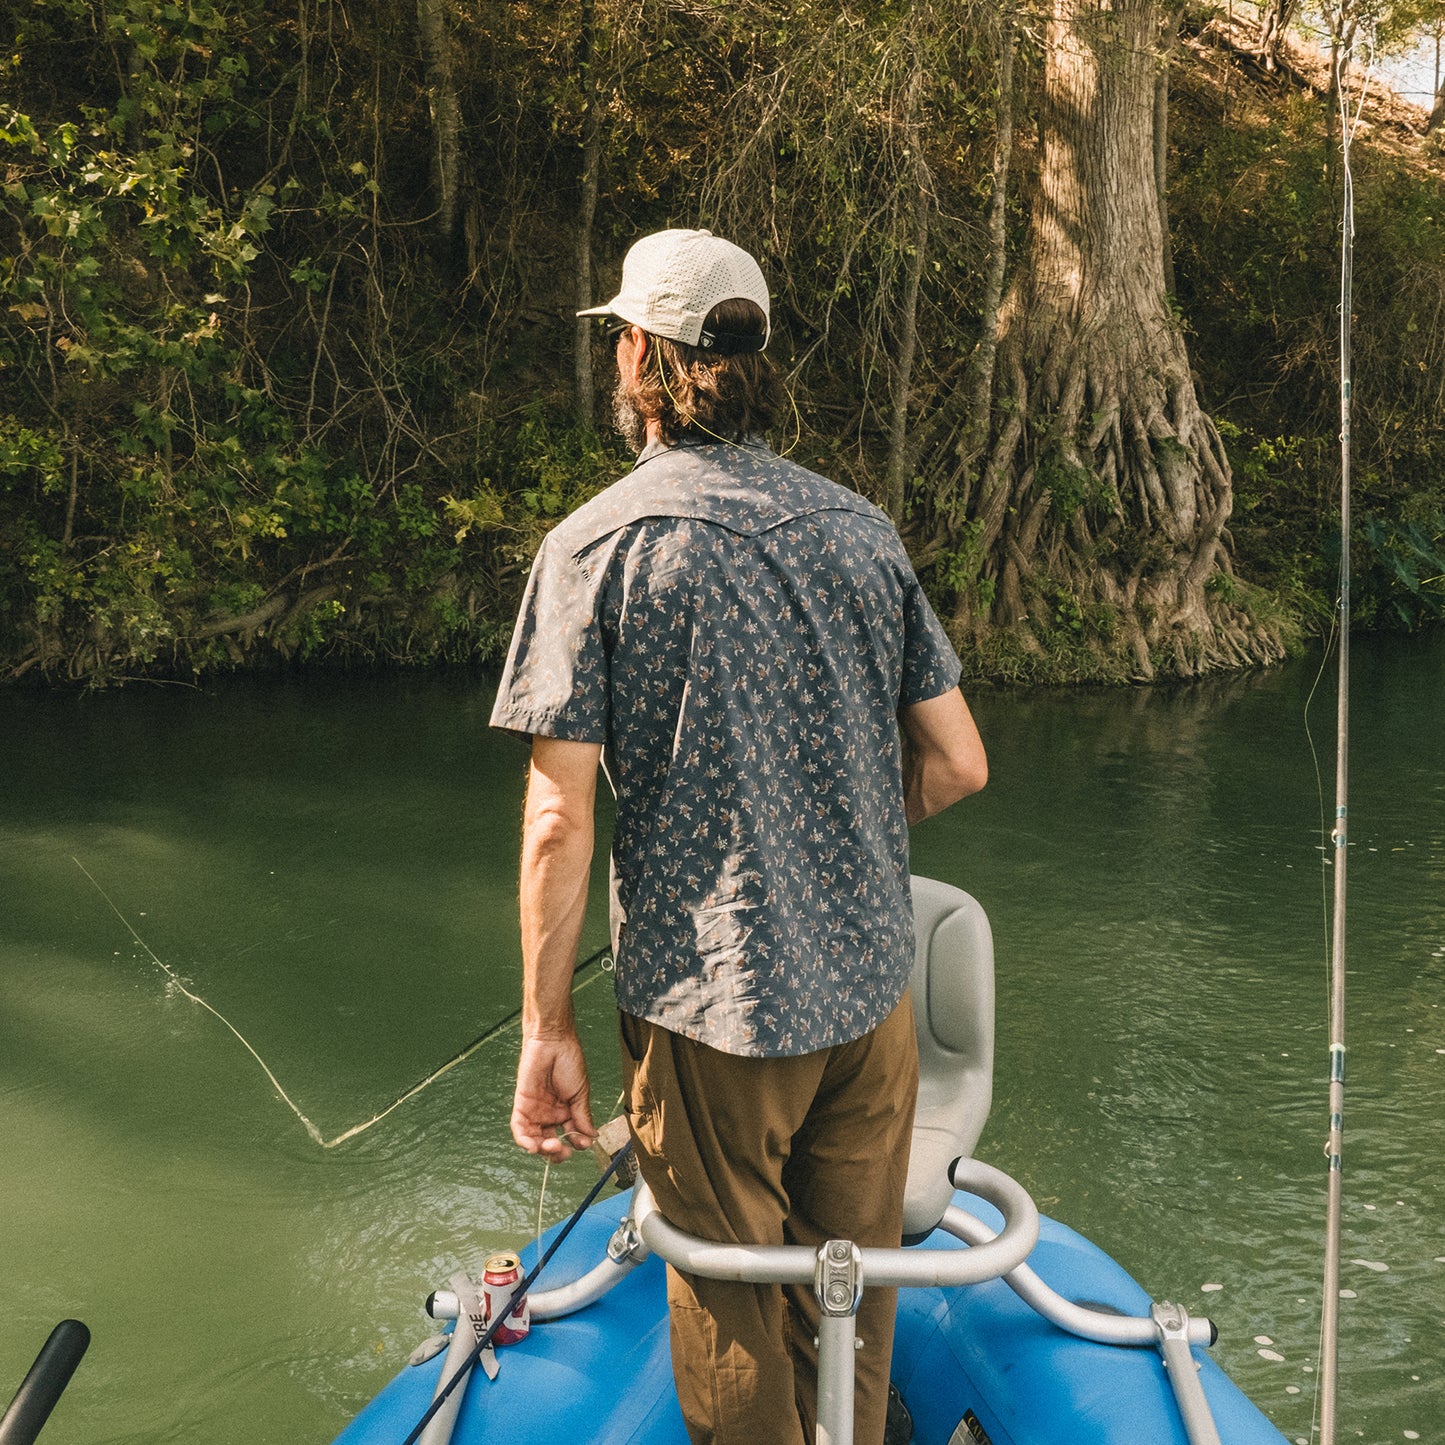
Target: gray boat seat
point(953, 1010)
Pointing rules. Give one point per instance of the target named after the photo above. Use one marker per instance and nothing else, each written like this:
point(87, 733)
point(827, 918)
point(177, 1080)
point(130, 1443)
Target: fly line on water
point(502, 1026)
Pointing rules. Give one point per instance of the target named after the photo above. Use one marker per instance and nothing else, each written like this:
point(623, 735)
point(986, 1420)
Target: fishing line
point(727, 441)
point(797, 421)
point(461, 1056)
point(476, 1351)
point(541, 1200)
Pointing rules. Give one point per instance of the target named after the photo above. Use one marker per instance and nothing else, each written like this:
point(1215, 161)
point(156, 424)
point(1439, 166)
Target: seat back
point(953, 1010)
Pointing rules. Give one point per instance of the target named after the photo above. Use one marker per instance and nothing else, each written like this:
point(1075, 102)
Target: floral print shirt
point(739, 634)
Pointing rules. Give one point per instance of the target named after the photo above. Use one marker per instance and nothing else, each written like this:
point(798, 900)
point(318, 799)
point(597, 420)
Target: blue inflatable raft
point(1017, 1358)
point(973, 1364)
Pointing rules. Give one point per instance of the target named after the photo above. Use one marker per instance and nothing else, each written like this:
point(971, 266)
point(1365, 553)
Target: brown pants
point(772, 1151)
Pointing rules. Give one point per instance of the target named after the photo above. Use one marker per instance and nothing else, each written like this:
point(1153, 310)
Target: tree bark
point(981, 388)
point(1272, 26)
point(896, 472)
point(446, 115)
point(278, 605)
point(1105, 495)
point(1168, 37)
point(67, 537)
point(584, 388)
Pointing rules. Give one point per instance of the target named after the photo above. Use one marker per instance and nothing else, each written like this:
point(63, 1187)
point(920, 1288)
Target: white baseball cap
point(672, 279)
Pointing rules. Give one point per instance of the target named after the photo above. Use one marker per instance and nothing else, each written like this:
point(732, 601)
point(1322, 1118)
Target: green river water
point(330, 863)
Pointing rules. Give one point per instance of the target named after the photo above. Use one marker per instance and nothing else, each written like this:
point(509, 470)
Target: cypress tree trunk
point(446, 115)
point(1105, 496)
point(981, 388)
point(1168, 38)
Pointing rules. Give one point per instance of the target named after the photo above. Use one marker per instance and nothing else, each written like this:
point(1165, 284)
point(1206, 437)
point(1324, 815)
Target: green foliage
point(1401, 572)
point(1256, 228)
point(959, 570)
point(557, 468)
point(1067, 645)
point(37, 454)
point(159, 472)
point(1070, 485)
point(253, 404)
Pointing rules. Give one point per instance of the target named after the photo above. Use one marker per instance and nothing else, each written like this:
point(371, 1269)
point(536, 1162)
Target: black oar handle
point(42, 1387)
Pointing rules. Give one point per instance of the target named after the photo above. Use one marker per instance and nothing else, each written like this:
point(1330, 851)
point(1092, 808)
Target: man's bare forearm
point(556, 866)
point(550, 1108)
point(553, 905)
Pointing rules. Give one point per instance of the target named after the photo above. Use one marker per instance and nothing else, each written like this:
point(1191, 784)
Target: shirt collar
point(692, 441)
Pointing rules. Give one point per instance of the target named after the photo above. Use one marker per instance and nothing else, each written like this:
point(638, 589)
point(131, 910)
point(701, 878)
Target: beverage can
point(501, 1274)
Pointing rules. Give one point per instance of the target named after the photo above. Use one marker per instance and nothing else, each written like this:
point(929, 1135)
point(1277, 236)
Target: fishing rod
point(1334, 1147)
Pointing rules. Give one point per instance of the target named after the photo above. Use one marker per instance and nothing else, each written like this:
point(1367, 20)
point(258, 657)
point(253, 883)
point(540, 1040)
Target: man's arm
point(556, 865)
point(943, 757)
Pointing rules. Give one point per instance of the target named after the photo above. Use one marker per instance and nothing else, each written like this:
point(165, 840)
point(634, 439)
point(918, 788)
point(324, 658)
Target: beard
point(627, 419)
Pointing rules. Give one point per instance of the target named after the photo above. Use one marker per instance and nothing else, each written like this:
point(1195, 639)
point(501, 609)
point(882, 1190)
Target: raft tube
point(974, 1364)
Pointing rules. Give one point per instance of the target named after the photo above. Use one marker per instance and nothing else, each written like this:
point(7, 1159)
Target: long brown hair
point(690, 389)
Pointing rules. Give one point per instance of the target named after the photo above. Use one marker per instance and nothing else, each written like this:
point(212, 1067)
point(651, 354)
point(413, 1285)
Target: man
point(745, 648)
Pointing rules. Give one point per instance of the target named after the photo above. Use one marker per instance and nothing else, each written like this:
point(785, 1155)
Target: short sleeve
point(555, 683)
point(930, 665)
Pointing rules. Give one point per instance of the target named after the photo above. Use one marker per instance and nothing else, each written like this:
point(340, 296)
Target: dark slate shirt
point(739, 634)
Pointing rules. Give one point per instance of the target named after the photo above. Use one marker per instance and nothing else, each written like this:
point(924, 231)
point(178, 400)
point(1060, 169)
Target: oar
point(42, 1387)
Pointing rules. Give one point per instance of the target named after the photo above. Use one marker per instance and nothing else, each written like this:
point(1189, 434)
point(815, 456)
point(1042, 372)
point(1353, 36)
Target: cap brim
point(619, 307)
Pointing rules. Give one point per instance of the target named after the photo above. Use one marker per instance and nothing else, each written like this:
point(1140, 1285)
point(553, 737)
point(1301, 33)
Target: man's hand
point(552, 1092)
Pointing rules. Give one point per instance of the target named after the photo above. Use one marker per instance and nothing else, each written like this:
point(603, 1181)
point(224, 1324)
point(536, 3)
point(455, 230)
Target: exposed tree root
point(1102, 511)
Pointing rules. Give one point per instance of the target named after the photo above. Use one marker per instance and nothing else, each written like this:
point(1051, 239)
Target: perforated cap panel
point(672, 279)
